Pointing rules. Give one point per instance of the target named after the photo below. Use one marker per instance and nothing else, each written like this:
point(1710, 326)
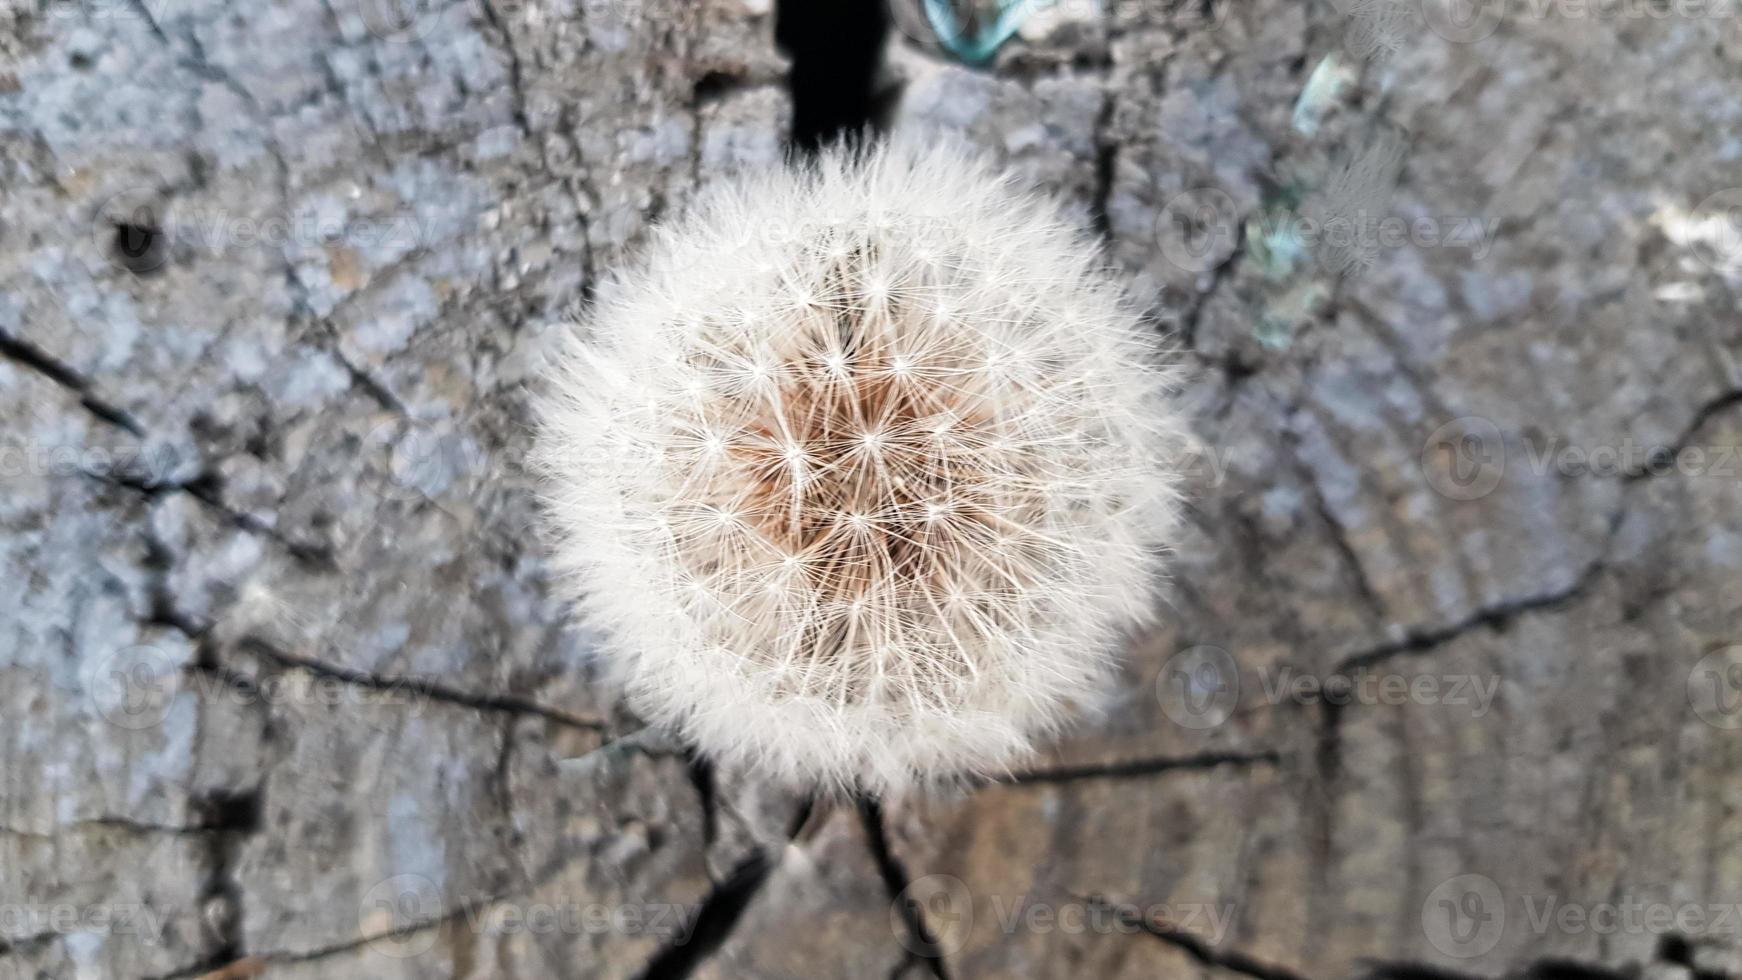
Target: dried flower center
point(866, 495)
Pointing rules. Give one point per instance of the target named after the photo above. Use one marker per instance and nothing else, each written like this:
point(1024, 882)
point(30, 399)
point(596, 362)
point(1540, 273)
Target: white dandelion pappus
point(864, 473)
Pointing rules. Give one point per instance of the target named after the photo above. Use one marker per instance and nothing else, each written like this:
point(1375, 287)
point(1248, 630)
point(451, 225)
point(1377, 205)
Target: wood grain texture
point(1450, 686)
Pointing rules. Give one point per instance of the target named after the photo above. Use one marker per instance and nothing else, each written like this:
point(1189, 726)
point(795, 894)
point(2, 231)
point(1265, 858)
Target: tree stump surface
point(1451, 674)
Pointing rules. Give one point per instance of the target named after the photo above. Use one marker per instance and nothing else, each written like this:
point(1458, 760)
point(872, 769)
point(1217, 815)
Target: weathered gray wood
point(283, 687)
point(1336, 542)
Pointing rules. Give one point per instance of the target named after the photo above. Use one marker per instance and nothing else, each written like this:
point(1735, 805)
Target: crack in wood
point(1497, 617)
point(422, 687)
point(724, 906)
point(207, 488)
point(123, 825)
point(922, 944)
point(1364, 587)
point(1139, 768)
point(1703, 415)
point(516, 74)
point(34, 358)
point(1198, 948)
point(1106, 165)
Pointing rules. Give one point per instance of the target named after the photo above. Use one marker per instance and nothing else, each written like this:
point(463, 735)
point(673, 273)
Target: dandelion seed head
point(869, 497)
